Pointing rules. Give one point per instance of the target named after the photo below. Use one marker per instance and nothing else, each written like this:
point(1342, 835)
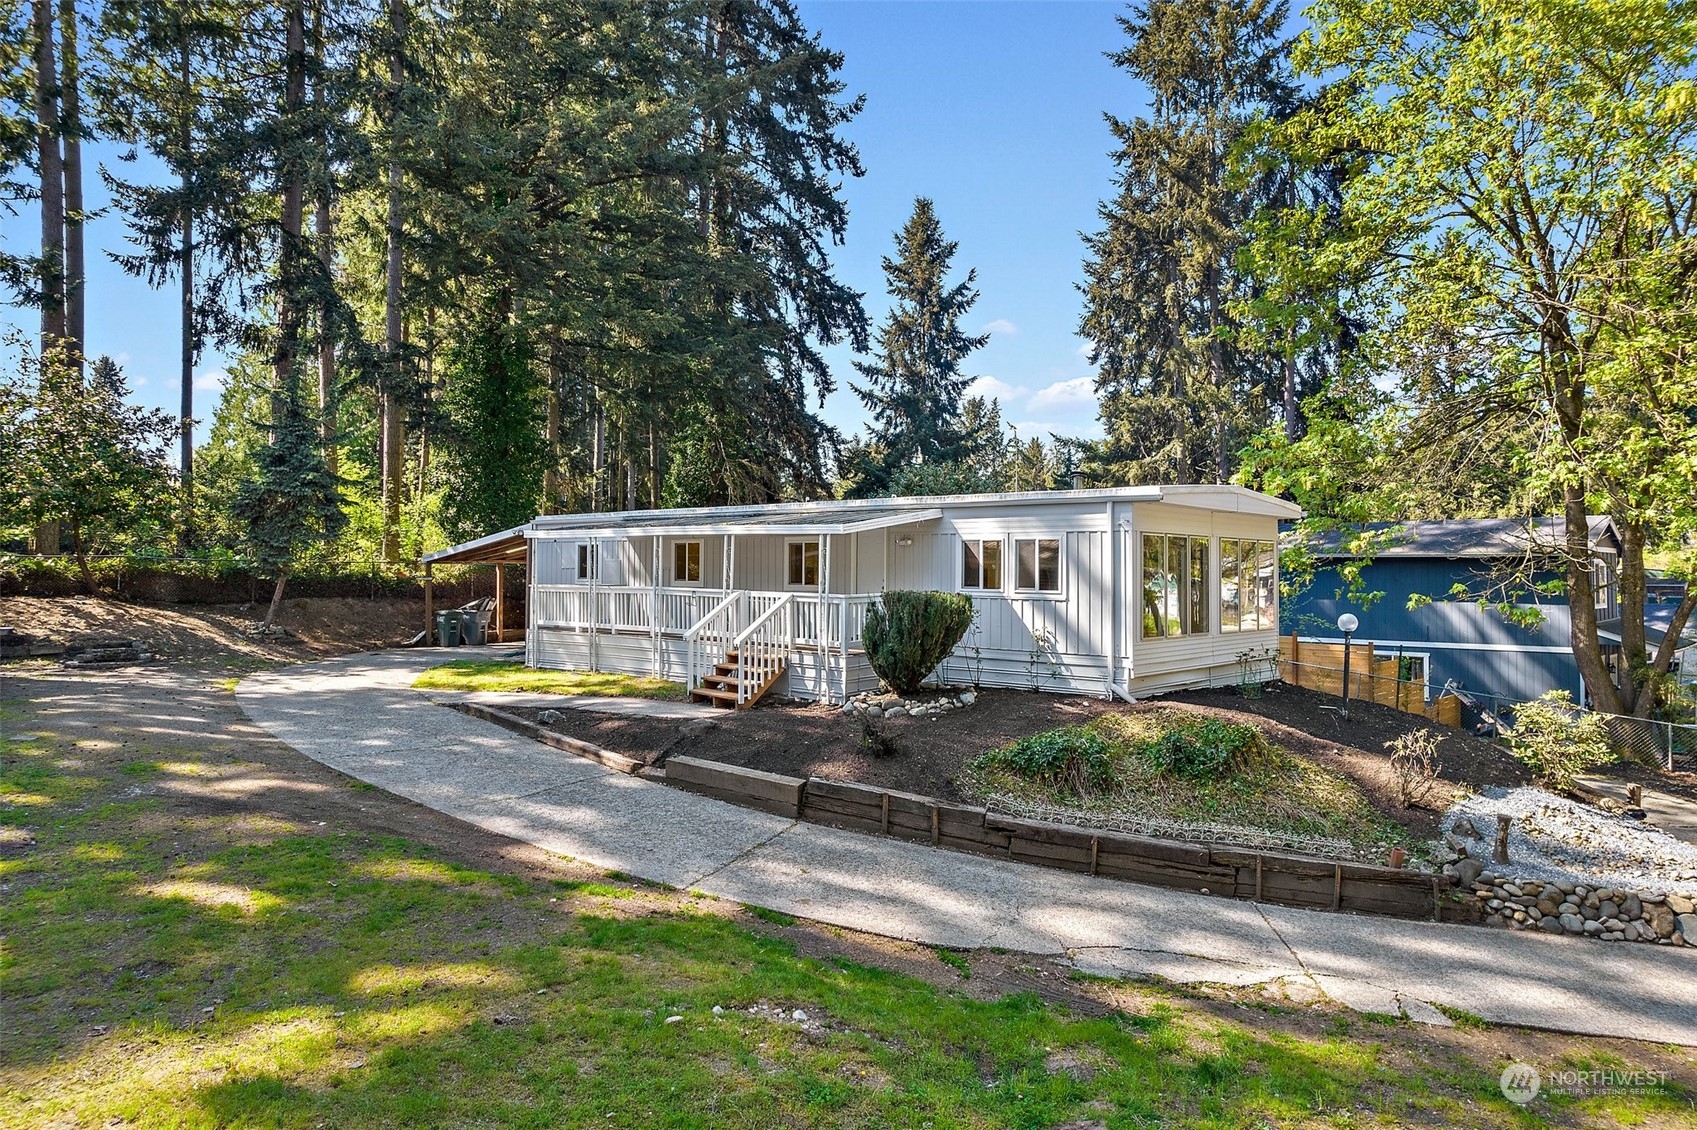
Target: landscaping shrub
point(1557, 740)
point(1414, 766)
point(1073, 759)
point(1203, 747)
point(910, 633)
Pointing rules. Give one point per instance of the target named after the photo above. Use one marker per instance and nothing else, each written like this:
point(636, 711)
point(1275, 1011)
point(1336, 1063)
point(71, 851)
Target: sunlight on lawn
point(493, 675)
point(213, 895)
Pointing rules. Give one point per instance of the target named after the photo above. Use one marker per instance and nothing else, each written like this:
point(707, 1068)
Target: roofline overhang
point(709, 529)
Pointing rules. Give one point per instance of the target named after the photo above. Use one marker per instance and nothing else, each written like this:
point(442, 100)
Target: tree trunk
point(551, 471)
point(287, 353)
point(393, 447)
point(70, 124)
point(276, 599)
point(51, 165)
point(185, 423)
point(327, 424)
point(1293, 431)
point(1669, 647)
point(1634, 657)
point(81, 551)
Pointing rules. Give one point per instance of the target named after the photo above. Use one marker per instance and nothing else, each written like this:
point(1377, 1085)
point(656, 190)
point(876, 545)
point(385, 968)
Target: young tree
point(1523, 214)
point(914, 386)
point(82, 458)
point(1178, 393)
point(293, 502)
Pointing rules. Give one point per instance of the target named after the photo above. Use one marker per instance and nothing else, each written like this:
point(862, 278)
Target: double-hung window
point(1175, 586)
point(1037, 564)
point(686, 563)
point(1249, 585)
point(981, 564)
point(803, 570)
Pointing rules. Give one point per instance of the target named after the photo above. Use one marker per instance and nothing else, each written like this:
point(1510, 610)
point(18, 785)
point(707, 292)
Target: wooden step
point(723, 686)
point(715, 696)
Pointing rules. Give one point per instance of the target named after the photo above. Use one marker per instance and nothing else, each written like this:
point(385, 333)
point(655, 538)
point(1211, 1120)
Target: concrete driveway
point(358, 715)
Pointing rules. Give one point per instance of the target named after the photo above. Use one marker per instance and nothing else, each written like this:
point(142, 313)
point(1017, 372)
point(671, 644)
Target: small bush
point(1072, 759)
point(1414, 766)
point(874, 742)
point(910, 633)
point(1557, 740)
point(1203, 747)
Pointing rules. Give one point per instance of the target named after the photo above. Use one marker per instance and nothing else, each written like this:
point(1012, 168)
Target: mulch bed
point(811, 740)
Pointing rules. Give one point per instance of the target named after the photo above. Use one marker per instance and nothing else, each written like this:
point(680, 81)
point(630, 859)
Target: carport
point(508, 547)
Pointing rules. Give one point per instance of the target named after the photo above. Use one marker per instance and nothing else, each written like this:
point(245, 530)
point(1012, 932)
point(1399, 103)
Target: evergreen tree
point(293, 502)
point(1178, 393)
point(914, 385)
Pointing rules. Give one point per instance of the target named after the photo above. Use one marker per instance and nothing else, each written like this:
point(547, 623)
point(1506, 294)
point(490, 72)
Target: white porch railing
point(763, 646)
point(709, 621)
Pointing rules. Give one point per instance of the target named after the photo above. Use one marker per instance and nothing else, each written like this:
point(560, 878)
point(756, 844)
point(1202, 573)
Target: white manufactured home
point(1126, 590)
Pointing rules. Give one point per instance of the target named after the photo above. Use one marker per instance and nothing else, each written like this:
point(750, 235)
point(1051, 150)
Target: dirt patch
point(201, 633)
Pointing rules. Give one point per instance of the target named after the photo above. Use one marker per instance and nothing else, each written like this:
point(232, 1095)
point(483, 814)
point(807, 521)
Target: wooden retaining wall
point(1231, 872)
point(1372, 678)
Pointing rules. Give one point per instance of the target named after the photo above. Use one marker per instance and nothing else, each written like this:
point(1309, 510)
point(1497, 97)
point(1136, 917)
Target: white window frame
point(593, 556)
point(1219, 556)
point(1010, 567)
point(1211, 583)
point(1001, 543)
point(818, 564)
point(700, 563)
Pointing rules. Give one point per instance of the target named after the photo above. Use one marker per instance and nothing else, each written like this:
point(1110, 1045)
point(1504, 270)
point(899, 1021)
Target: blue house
point(1456, 637)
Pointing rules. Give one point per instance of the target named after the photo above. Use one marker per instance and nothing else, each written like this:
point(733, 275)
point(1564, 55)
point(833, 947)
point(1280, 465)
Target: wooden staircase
point(720, 688)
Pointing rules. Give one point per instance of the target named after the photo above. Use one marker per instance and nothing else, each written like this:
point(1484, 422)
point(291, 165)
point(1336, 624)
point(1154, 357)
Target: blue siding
point(1503, 659)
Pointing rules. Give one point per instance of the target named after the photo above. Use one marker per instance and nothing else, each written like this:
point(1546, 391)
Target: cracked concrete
point(359, 715)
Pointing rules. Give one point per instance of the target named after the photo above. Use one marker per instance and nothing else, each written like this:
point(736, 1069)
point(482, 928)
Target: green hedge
point(221, 580)
point(909, 633)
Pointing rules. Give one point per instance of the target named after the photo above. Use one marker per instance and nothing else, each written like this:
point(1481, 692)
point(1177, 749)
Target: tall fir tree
point(1179, 394)
point(914, 384)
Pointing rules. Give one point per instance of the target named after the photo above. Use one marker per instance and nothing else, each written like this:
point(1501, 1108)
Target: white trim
point(818, 551)
point(729, 529)
point(1535, 649)
point(1012, 575)
point(982, 589)
point(672, 545)
point(579, 577)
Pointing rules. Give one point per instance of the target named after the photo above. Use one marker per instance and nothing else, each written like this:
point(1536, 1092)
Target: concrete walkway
point(358, 716)
point(1672, 814)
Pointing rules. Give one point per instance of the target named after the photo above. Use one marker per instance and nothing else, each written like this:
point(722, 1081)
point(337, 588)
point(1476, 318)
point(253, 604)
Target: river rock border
point(875, 705)
point(1605, 913)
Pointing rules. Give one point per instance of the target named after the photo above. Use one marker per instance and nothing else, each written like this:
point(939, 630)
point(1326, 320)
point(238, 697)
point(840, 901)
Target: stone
point(798, 1014)
point(1464, 827)
point(1511, 890)
point(1572, 923)
point(1549, 925)
point(1662, 921)
point(850, 707)
point(548, 717)
point(718, 1010)
point(1565, 888)
point(1547, 908)
point(1442, 854)
point(1687, 925)
point(967, 698)
point(1467, 871)
point(673, 1019)
point(874, 711)
point(1681, 904)
point(1608, 909)
point(1592, 927)
point(1611, 935)
point(1632, 906)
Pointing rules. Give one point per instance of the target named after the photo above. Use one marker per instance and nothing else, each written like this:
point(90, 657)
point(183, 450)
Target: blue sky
point(993, 109)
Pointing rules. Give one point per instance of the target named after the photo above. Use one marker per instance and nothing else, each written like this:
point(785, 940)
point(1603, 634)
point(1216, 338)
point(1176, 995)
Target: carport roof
point(505, 548)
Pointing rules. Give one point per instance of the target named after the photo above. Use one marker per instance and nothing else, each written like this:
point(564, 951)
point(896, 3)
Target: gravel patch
point(1556, 839)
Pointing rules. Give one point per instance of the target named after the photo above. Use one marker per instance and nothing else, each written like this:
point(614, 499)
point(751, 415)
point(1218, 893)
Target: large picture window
point(686, 563)
point(1037, 564)
point(1249, 585)
point(981, 564)
point(803, 564)
point(1175, 585)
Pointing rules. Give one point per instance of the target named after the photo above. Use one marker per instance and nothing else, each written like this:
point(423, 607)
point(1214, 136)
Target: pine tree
point(914, 385)
point(1178, 395)
point(293, 502)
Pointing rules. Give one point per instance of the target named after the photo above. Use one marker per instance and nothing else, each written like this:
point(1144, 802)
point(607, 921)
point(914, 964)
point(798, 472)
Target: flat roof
point(1452, 537)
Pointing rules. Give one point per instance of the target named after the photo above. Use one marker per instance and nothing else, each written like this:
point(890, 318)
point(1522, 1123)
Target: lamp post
point(1347, 623)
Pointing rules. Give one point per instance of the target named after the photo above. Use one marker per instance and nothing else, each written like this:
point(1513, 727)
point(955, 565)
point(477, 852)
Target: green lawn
point(237, 967)
point(498, 675)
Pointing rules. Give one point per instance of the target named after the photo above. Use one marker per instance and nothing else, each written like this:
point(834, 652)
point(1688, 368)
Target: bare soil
point(811, 740)
point(318, 626)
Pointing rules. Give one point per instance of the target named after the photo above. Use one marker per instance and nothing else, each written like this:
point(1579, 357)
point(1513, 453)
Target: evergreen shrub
point(909, 633)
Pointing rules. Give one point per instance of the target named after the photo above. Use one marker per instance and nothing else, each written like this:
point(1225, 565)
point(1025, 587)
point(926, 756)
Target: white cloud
point(999, 326)
point(1075, 428)
point(212, 380)
point(999, 389)
point(1064, 397)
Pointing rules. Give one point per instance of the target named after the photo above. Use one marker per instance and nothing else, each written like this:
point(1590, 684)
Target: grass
point(171, 972)
point(1273, 791)
point(499, 675)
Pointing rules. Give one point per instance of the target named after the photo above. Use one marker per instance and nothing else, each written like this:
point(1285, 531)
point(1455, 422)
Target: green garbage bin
point(471, 628)
point(447, 629)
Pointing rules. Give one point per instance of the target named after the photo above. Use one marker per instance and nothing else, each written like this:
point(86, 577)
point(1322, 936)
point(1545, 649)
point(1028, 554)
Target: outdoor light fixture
point(904, 540)
point(1347, 623)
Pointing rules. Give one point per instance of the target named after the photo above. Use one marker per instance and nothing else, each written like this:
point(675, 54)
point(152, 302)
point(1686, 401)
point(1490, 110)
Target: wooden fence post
point(1296, 659)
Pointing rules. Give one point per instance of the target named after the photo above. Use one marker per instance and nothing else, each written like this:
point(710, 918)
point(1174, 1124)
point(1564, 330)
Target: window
point(1175, 586)
point(1602, 581)
point(1037, 564)
point(981, 565)
point(1249, 585)
point(804, 564)
point(686, 563)
point(588, 564)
